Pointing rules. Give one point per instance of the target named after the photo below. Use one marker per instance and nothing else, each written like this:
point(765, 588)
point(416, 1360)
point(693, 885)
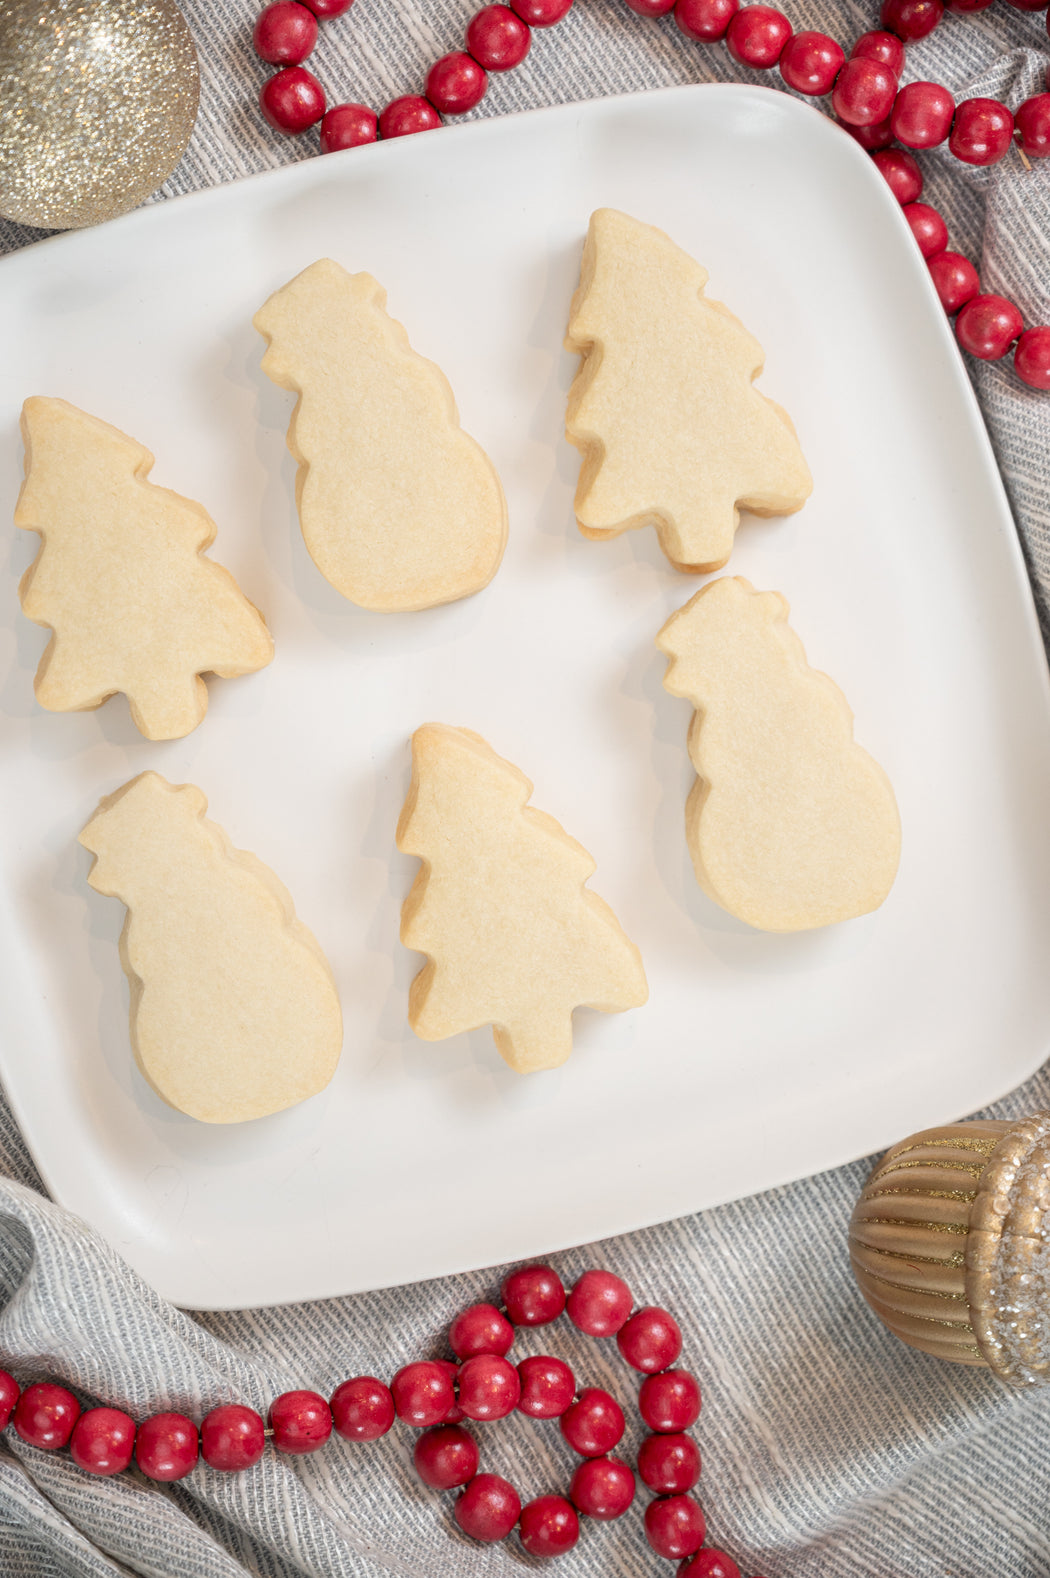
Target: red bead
point(423, 1393)
point(651, 1340)
point(756, 36)
point(987, 326)
point(885, 47)
point(326, 9)
point(300, 1421)
point(480, 1329)
point(603, 1488)
point(498, 38)
point(103, 1440)
point(669, 1401)
point(362, 1408)
point(922, 115)
point(404, 117)
point(488, 1509)
point(594, 1423)
point(710, 1563)
point(348, 126)
point(285, 33)
point(864, 92)
point(445, 1457)
point(650, 8)
point(871, 138)
point(232, 1437)
point(489, 1387)
point(955, 279)
point(533, 1296)
point(292, 101)
point(456, 83)
point(900, 172)
point(541, 13)
point(599, 1303)
point(669, 1464)
point(549, 1526)
point(928, 228)
point(45, 1415)
point(1032, 357)
point(911, 19)
point(1033, 126)
point(547, 1387)
point(166, 1446)
point(983, 131)
point(705, 20)
point(8, 1398)
point(1029, 5)
point(965, 6)
point(810, 63)
point(675, 1526)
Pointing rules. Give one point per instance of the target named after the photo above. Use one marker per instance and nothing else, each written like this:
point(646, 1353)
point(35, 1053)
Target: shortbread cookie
point(790, 824)
point(513, 937)
point(672, 432)
point(121, 579)
point(234, 1013)
point(400, 509)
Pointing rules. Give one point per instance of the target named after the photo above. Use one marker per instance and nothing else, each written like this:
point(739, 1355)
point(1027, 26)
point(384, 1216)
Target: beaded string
point(434, 1396)
point(865, 97)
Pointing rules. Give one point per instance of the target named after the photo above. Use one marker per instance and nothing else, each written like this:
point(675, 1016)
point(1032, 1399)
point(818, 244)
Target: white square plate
point(759, 1058)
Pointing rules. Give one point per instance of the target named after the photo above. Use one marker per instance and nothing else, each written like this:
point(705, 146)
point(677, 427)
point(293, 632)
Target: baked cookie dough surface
point(673, 433)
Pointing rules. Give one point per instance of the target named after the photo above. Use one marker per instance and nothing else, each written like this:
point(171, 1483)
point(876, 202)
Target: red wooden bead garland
point(292, 101)
point(955, 279)
point(285, 33)
point(981, 132)
point(549, 1526)
point(166, 1447)
point(810, 62)
point(9, 1392)
point(489, 1508)
point(103, 1441)
point(864, 90)
point(301, 1422)
point(1032, 358)
point(445, 1457)
point(45, 1415)
point(602, 1488)
point(362, 1409)
point(987, 326)
point(232, 1438)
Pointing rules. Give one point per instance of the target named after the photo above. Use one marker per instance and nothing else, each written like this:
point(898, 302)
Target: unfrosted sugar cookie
point(672, 431)
point(234, 1013)
point(514, 937)
point(790, 824)
point(399, 508)
point(121, 579)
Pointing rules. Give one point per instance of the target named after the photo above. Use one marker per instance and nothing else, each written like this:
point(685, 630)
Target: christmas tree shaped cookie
point(234, 1013)
point(672, 432)
point(790, 824)
point(121, 579)
point(399, 508)
point(514, 937)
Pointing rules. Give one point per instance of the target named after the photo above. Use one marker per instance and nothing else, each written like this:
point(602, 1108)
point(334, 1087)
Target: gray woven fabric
point(829, 1448)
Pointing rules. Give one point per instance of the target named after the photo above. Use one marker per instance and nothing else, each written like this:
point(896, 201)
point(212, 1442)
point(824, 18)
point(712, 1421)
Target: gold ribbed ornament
point(950, 1244)
point(97, 102)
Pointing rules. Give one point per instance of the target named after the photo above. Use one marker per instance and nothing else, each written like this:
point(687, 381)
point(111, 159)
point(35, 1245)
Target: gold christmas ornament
point(97, 102)
point(950, 1244)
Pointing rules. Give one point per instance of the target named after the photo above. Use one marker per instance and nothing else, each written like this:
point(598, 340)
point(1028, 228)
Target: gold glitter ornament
point(950, 1244)
point(97, 102)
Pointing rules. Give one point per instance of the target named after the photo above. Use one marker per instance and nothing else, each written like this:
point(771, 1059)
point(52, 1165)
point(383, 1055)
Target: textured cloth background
point(829, 1448)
